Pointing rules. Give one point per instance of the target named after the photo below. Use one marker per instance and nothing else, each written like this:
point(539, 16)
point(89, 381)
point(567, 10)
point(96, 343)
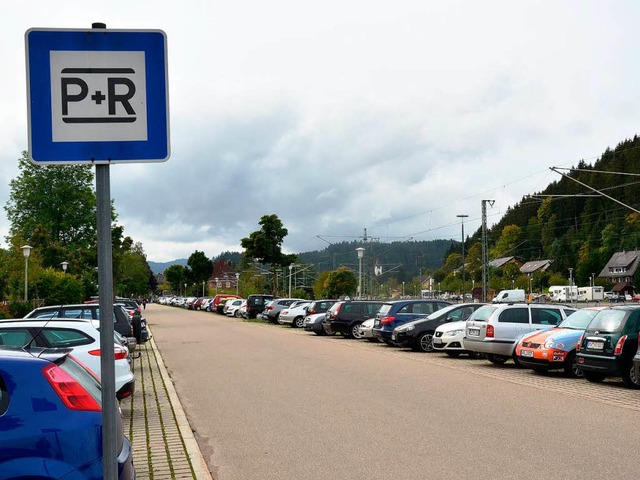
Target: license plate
point(595, 345)
point(474, 332)
point(393, 336)
point(376, 323)
point(437, 341)
point(526, 353)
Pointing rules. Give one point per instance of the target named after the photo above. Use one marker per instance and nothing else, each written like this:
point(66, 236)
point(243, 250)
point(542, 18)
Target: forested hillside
point(578, 231)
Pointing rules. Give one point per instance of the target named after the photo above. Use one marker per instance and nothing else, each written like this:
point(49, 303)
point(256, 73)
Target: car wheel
point(629, 377)
point(355, 332)
point(593, 377)
point(236, 314)
point(517, 361)
point(571, 368)
point(425, 342)
point(497, 359)
point(298, 322)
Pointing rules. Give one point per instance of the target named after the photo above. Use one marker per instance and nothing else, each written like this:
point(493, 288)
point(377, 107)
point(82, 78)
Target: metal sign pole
point(105, 287)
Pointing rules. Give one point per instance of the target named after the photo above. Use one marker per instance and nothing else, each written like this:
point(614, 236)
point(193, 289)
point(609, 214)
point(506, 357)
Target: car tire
point(571, 368)
point(298, 322)
point(497, 359)
point(452, 354)
point(424, 343)
point(353, 332)
point(629, 377)
point(593, 377)
point(236, 314)
point(515, 359)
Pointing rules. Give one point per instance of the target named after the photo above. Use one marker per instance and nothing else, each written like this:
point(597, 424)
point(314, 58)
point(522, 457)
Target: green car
point(608, 345)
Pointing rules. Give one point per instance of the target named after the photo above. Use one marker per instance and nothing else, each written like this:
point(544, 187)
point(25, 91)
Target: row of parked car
point(593, 342)
point(50, 393)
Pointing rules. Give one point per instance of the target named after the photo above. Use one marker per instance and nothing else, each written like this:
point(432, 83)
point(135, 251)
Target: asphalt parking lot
point(278, 402)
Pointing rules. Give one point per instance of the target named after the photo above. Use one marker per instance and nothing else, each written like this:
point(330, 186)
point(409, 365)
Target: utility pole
point(485, 250)
point(462, 217)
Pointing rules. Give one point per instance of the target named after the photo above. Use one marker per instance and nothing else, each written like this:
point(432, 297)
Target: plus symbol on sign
point(98, 97)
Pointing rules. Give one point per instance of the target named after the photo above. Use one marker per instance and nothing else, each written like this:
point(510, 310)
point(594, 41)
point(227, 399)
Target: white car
point(449, 338)
point(366, 330)
point(232, 307)
point(294, 316)
point(80, 335)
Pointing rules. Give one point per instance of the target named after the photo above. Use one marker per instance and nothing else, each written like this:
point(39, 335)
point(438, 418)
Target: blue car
point(51, 419)
point(394, 314)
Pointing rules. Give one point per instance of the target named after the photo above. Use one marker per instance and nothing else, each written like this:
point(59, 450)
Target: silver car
point(496, 329)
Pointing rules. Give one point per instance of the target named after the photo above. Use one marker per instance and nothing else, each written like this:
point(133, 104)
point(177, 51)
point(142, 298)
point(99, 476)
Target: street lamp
point(571, 284)
point(185, 289)
point(64, 266)
point(531, 287)
point(360, 252)
point(26, 251)
point(216, 279)
point(513, 282)
point(237, 282)
point(402, 289)
point(203, 282)
point(290, 268)
point(462, 217)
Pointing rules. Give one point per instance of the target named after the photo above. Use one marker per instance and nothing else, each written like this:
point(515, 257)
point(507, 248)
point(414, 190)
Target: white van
point(509, 296)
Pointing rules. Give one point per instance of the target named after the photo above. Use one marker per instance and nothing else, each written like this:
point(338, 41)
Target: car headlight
point(405, 328)
point(453, 333)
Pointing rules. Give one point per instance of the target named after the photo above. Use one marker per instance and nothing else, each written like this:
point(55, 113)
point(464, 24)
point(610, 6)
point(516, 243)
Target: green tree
point(339, 282)
point(265, 245)
point(175, 276)
point(318, 285)
point(508, 241)
point(54, 207)
point(201, 267)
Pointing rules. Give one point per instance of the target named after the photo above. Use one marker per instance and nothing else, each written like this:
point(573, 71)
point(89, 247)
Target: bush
point(4, 311)
point(18, 309)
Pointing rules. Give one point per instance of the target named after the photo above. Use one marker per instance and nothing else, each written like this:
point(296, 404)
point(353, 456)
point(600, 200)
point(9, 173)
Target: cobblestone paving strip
point(159, 448)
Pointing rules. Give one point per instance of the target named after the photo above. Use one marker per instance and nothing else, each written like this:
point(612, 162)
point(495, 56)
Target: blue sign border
point(42, 149)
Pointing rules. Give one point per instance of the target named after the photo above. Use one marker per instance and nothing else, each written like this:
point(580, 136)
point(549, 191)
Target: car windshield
point(608, 320)
point(443, 311)
point(483, 313)
point(578, 320)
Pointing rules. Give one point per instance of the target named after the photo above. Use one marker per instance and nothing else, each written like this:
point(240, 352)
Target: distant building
point(223, 276)
point(530, 268)
point(503, 261)
point(621, 268)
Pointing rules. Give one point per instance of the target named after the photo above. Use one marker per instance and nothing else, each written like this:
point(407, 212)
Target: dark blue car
point(396, 313)
point(50, 418)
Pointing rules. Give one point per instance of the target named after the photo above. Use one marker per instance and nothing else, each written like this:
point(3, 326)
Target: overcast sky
point(341, 115)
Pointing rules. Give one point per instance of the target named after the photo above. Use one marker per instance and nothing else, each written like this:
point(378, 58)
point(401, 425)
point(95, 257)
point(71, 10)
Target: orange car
point(555, 349)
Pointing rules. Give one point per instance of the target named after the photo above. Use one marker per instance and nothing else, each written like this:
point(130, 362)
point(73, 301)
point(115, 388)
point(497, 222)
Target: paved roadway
point(272, 402)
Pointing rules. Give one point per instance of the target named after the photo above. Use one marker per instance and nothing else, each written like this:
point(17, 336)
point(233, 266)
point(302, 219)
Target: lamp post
point(462, 217)
point(64, 266)
point(216, 279)
point(203, 282)
point(571, 285)
point(237, 282)
point(185, 289)
point(402, 289)
point(513, 282)
point(26, 251)
point(360, 252)
point(531, 288)
point(290, 269)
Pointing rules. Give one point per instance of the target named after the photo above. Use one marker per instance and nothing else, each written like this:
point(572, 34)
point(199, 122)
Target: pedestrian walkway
point(163, 443)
